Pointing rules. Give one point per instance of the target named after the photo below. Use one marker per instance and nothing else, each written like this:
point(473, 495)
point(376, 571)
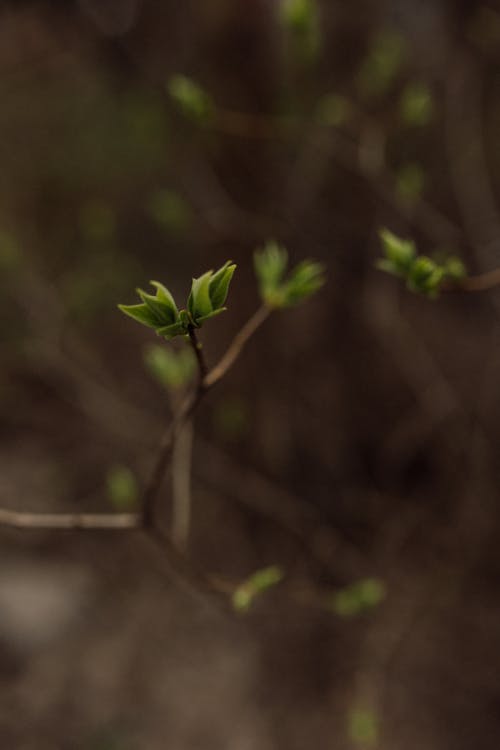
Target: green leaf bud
point(122, 487)
point(219, 284)
point(276, 291)
point(416, 105)
point(193, 101)
point(172, 369)
point(256, 584)
point(399, 252)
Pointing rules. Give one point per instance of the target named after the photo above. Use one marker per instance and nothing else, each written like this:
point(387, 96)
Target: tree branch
point(198, 352)
point(480, 283)
point(190, 405)
point(97, 521)
point(146, 520)
point(235, 348)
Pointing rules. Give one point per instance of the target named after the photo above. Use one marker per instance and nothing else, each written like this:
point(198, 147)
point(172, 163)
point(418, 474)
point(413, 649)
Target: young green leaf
point(256, 584)
point(425, 276)
point(193, 101)
point(161, 310)
point(212, 314)
point(172, 369)
point(140, 313)
point(158, 312)
point(357, 598)
point(199, 303)
point(164, 295)
point(219, 284)
point(171, 331)
point(305, 280)
point(270, 266)
point(399, 252)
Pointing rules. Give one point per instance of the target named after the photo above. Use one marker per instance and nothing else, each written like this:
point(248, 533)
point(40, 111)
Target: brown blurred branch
point(71, 521)
point(480, 283)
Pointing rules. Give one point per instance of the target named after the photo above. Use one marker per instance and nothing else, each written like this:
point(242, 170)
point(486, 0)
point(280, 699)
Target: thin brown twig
point(480, 283)
point(189, 406)
point(198, 353)
point(71, 521)
point(235, 348)
point(146, 519)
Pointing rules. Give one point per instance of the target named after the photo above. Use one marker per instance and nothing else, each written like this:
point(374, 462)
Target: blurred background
point(355, 442)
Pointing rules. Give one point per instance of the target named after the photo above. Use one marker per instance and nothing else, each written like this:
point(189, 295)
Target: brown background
point(357, 436)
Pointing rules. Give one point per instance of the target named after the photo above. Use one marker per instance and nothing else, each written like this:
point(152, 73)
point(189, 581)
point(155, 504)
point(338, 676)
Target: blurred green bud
point(425, 276)
point(122, 487)
point(276, 290)
point(192, 100)
point(301, 19)
point(208, 294)
point(399, 254)
point(454, 269)
point(298, 14)
point(416, 105)
point(358, 597)
point(363, 727)
point(259, 582)
point(172, 369)
point(422, 274)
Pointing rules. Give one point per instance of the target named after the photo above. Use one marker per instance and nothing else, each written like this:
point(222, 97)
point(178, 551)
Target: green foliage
point(382, 64)
point(416, 105)
point(122, 488)
point(206, 299)
point(358, 597)
point(421, 273)
point(259, 582)
point(278, 290)
point(208, 294)
point(191, 99)
point(363, 727)
point(172, 369)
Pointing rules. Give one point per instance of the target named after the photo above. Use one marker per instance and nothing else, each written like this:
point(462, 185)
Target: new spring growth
point(279, 288)
point(191, 99)
point(206, 299)
point(421, 273)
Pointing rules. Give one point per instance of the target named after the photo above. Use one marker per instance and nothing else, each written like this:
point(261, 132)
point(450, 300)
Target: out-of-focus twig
point(70, 521)
point(190, 404)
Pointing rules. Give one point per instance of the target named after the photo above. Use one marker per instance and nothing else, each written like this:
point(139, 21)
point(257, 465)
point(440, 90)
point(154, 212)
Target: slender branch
point(235, 348)
point(104, 521)
point(189, 406)
point(178, 565)
point(480, 283)
point(198, 352)
point(181, 486)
